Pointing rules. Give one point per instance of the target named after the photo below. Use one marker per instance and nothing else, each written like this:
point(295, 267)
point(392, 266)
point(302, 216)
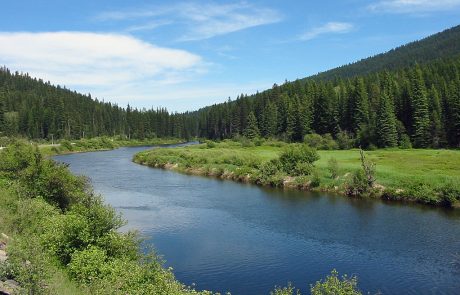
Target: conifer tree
point(252, 130)
point(421, 119)
point(360, 105)
point(386, 123)
point(436, 128)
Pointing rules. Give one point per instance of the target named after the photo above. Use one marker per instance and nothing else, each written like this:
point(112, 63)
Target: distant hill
point(441, 45)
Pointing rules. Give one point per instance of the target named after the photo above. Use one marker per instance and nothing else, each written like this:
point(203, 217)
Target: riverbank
point(100, 144)
point(64, 239)
point(424, 176)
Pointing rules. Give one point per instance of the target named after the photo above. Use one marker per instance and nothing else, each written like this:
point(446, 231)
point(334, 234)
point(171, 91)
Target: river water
point(227, 236)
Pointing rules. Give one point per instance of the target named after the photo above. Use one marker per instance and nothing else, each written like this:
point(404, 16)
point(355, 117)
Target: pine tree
point(2, 109)
point(436, 128)
point(360, 105)
point(420, 117)
point(387, 135)
point(271, 119)
point(252, 130)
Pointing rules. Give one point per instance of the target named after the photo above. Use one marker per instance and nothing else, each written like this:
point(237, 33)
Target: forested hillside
point(416, 103)
point(33, 108)
point(440, 45)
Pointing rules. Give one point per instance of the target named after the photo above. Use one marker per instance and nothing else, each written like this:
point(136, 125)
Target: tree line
point(417, 105)
point(414, 106)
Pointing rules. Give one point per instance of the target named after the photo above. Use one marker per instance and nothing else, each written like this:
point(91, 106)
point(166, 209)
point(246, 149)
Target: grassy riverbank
point(64, 239)
point(424, 176)
point(100, 144)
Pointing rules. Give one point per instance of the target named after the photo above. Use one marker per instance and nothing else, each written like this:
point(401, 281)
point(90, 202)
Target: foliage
point(334, 285)
point(333, 167)
point(364, 100)
point(294, 155)
point(66, 239)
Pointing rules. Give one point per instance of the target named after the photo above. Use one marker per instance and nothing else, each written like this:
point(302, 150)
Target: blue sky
point(187, 54)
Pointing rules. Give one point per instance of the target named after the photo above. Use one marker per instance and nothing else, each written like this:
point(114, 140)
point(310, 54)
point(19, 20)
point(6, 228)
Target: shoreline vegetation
point(103, 143)
point(58, 237)
point(423, 176)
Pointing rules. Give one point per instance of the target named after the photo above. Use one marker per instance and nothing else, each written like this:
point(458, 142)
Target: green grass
point(412, 175)
point(100, 144)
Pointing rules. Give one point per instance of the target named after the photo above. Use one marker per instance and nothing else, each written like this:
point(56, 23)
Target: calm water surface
point(226, 236)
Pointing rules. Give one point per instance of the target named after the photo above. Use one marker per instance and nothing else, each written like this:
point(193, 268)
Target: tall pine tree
point(420, 119)
point(387, 135)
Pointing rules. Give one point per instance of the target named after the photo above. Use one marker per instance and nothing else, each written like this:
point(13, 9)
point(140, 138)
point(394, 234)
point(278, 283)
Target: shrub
point(356, 184)
point(325, 142)
point(269, 168)
point(333, 167)
point(313, 140)
point(336, 286)
point(67, 145)
point(289, 290)
point(404, 142)
point(65, 234)
point(89, 265)
point(449, 193)
point(315, 179)
point(344, 140)
point(294, 154)
point(210, 144)
point(302, 168)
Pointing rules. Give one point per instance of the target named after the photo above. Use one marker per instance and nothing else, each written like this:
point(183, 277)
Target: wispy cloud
point(95, 61)
point(328, 28)
point(147, 26)
point(413, 6)
point(200, 21)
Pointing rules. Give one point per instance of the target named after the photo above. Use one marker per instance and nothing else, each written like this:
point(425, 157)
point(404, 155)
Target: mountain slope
point(440, 45)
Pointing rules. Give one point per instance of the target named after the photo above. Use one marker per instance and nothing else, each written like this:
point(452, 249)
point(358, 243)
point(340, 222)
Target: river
point(227, 236)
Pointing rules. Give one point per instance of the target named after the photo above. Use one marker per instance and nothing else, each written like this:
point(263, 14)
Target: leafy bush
point(449, 193)
point(325, 142)
point(333, 285)
point(64, 234)
point(67, 145)
point(210, 144)
point(333, 167)
point(356, 184)
point(315, 178)
point(294, 154)
point(405, 142)
point(344, 140)
point(89, 265)
point(302, 169)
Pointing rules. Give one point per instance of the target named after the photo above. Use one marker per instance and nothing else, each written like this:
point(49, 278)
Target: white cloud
point(113, 67)
point(92, 59)
point(413, 6)
point(200, 21)
point(328, 28)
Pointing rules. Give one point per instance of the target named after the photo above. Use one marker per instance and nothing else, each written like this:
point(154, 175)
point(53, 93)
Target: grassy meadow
point(420, 175)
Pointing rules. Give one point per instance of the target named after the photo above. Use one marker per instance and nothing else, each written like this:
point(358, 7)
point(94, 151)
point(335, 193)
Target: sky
point(184, 55)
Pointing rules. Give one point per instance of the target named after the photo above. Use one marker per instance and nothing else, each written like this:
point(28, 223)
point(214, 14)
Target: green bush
point(64, 234)
point(344, 140)
point(356, 184)
point(333, 285)
point(89, 265)
point(333, 168)
point(449, 193)
point(405, 142)
point(325, 142)
point(294, 154)
point(67, 145)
